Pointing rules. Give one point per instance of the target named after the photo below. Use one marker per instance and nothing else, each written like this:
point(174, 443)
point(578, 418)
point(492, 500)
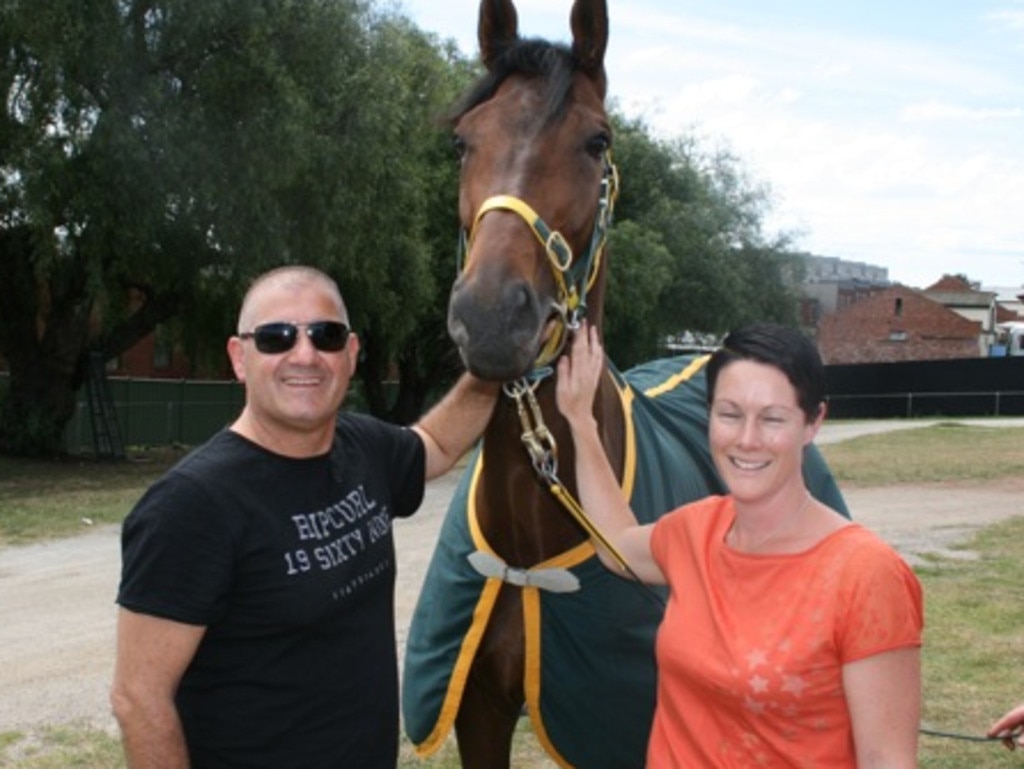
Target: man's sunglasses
point(277, 338)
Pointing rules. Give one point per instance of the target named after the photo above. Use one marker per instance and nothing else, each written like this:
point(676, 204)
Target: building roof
point(956, 291)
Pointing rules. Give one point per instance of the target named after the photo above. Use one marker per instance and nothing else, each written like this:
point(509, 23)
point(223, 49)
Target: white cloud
point(1012, 18)
point(935, 110)
point(882, 144)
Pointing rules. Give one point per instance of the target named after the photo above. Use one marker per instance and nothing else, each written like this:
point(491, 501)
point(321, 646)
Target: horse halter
point(573, 277)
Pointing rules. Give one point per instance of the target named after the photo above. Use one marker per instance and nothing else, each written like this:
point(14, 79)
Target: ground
point(57, 637)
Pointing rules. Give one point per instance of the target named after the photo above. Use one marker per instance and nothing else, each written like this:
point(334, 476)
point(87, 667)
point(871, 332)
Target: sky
point(890, 133)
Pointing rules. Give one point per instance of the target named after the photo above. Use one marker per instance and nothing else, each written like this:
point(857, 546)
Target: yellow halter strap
point(572, 293)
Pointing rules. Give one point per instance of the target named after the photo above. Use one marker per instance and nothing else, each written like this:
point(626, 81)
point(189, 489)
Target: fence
point(926, 404)
point(927, 388)
point(166, 412)
point(160, 412)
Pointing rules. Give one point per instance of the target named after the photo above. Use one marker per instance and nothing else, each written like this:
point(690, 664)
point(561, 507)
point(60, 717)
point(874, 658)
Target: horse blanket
point(590, 669)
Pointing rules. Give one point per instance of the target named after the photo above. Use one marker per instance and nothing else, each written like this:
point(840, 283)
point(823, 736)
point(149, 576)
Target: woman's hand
point(578, 375)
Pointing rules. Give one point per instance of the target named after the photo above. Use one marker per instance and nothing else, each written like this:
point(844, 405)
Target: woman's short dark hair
point(789, 350)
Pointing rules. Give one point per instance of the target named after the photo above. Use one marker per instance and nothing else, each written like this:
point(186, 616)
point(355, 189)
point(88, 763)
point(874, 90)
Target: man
point(256, 621)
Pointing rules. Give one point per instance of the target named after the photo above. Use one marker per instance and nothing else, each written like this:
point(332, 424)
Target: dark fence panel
point(932, 388)
point(160, 412)
point(165, 412)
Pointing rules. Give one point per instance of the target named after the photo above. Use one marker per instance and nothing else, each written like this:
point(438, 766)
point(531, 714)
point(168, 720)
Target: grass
point(973, 642)
point(79, 746)
point(64, 746)
point(42, 500)
point(526, 753)
point(974, 615)
point(942, 452)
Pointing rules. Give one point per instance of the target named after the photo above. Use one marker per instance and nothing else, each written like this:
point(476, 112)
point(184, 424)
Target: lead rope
point(543, 451)
point(971, 737)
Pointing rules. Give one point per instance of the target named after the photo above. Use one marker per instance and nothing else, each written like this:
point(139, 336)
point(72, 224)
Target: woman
point(792, 635)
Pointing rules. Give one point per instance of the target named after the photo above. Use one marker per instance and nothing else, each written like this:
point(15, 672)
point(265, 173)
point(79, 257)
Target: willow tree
point(690, 250)
point(155, 154)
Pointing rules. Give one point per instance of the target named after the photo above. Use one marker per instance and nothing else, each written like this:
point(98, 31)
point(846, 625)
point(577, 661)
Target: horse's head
point(536, 190)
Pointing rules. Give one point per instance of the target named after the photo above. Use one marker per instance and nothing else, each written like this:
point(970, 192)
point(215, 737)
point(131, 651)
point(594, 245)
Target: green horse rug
point(590, 669)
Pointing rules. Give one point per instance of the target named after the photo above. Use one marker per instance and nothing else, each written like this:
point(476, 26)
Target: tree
point(688, 250)
point(158, 153)
point(432, 74)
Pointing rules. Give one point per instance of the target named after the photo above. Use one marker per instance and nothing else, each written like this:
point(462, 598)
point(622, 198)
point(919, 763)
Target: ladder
point(106, 432)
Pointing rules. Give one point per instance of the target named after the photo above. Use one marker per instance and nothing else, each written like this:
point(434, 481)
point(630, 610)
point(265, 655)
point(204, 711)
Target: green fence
point(166, 412)
point(160, 412)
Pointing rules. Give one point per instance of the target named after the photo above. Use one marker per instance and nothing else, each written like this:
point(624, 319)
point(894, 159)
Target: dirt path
point(57, 599)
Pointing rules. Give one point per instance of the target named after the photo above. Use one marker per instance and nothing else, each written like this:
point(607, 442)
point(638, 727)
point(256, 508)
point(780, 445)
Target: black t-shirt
point(290, 565)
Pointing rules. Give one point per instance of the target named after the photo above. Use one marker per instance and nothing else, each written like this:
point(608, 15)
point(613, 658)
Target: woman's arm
point(600, 494)
point(883, 693)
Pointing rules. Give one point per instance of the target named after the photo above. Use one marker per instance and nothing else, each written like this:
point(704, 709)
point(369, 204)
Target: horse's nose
point(497, 331)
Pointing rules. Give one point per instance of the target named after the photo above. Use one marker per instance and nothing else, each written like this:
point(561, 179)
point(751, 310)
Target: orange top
point(751, 649)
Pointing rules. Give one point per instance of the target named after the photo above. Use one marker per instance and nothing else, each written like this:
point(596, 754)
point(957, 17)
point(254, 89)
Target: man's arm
point(451, 427)
point(152, 655)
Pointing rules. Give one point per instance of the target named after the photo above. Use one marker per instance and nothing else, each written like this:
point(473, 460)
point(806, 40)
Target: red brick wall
point(141, 361)
point(897, 324)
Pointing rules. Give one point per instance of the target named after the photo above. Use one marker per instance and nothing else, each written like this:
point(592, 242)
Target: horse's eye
point(459, 145)
point(598, 145)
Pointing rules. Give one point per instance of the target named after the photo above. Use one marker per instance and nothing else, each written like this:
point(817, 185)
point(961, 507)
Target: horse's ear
point(590, 37)
point(498, 29)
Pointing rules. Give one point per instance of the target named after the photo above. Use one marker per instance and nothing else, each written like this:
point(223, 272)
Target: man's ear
point(352, 350)
point(236, 354)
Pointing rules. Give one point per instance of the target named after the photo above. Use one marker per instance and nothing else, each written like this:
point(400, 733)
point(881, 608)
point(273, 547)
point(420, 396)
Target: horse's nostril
point(523, 315)
point(521, 299)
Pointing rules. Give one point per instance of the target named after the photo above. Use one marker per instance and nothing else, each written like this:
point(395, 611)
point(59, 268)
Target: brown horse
point(516, 609)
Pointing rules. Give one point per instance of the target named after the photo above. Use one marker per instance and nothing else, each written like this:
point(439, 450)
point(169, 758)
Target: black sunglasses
point(277, 338)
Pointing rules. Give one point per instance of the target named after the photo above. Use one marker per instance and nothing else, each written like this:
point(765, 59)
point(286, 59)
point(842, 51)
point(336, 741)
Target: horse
point(516, 613)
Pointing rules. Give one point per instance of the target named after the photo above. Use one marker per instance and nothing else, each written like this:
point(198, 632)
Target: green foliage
point(27, 431)
point(157, 155)
point(689, 251)
point(154, 156)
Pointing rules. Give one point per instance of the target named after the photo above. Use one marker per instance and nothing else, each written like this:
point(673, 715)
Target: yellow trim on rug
point(470, 644)
point(532, 617)
point(532, 673)
point(531, 596)
point(676, 379)
point(629, 449)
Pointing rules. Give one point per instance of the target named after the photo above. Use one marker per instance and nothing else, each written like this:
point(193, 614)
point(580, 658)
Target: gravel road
point(57, 598)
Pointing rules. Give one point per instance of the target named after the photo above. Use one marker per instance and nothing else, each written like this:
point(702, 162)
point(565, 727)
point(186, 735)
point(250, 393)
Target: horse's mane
point(532, 58)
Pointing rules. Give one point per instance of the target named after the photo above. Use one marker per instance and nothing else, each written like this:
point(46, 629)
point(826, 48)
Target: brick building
point(898, 324)
point(831, 285)
point(966, 299)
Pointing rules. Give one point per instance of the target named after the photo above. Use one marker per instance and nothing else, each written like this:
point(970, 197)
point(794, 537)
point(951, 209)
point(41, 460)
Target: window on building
point(898, 308)
point(897, 336)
